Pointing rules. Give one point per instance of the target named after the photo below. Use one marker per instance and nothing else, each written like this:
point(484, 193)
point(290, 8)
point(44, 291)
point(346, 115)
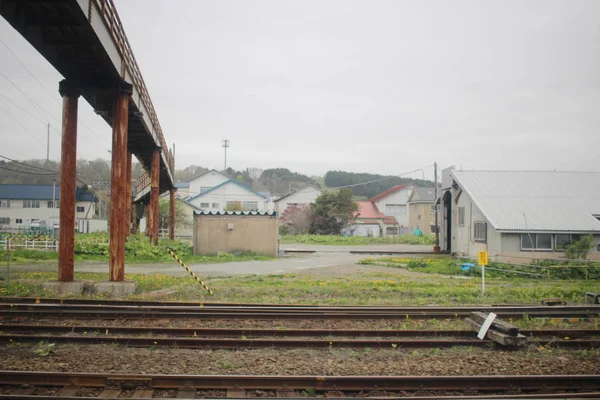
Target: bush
point(417, 263)
point(580, 248)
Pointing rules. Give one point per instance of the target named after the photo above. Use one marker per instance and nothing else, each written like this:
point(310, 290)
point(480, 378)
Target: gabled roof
point(423, 195)
point(182, 185)
point(223, 184)
point(40, 192)
point(368, 210)
point(298, 190)
point(388, 192)
point(390, 220)
point(521, 201)
point(262, 214)
point(208, 172)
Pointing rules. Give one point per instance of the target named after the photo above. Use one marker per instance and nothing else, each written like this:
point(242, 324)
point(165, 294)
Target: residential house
point(421, 210)
point(518, 215)
point(201, 184)
point(225, 195)
point(368, 221)
point(298, 198)
point(393, 203)
point(22, 205)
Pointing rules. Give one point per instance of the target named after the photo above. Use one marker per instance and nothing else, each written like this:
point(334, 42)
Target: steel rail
point(261, 332)
point(245, 343)
point(337, 383)
point(255, 306)
point(199, 313)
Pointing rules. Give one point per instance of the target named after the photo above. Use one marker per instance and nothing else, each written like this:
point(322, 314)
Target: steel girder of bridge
point(85, 41)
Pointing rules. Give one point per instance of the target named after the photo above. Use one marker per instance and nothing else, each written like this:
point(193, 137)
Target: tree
point(580, 248)
point(296, 220)
point(332, 211)
point(234, 206)
point(382, 183)
point(181, 220)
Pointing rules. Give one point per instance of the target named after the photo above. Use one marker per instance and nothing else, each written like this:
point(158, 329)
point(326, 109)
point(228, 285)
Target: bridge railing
point(142, 183)
point(115, 27)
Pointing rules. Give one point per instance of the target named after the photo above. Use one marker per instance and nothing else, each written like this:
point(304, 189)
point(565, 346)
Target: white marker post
point(483, 261)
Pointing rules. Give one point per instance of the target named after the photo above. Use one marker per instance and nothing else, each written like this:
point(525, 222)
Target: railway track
point(59, 385)
point(35, 310)
point(218, 338)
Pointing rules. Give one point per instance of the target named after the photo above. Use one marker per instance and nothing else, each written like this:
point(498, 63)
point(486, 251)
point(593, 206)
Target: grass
point(370, 288)
point(356, 240)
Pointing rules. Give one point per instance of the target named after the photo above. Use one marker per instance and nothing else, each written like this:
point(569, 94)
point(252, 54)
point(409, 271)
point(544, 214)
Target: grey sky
point(363, 86)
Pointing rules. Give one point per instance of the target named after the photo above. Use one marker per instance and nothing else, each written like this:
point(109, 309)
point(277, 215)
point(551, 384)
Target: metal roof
point(39, 192)
point(223, 184)
point(422, 194)
point(262, 214)
point(520, 201)
point(182, 185)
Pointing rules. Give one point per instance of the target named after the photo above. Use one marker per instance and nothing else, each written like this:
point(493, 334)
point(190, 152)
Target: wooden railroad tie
point(500, 331)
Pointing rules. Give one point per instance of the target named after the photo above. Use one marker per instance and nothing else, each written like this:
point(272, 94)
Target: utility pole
point(436, 248)
point(225, 144)
point(48, 144)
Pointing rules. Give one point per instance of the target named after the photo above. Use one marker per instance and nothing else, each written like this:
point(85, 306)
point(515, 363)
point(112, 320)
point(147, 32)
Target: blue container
point(467, 266)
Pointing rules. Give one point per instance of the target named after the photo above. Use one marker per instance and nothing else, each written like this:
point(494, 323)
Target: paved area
point(325, 257)
point(346, 249)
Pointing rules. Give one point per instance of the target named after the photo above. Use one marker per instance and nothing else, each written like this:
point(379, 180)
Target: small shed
point(235, 232)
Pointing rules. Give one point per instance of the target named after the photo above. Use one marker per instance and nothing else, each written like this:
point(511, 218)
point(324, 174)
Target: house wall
point(306, 195)
point(365, 229)
point(463, 242)
point(257, 233)
point(511, 250)
point(218, 198)
point(43, 213)
point(208, 180)
point(399, 197)
point(421, 217)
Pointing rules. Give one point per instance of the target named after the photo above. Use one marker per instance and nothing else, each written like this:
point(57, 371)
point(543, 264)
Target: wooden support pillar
point(68, 183)
point(153, 206)
point(118, 194)
point(127, 219)
point(172, 215)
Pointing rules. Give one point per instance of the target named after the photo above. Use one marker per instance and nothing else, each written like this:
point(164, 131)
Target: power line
point(27, 165)
point(22, 126)
point(22, 109)
point(380, 179)
point(27, 172)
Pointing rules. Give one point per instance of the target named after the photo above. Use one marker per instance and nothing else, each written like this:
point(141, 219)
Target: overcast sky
point(364, 86)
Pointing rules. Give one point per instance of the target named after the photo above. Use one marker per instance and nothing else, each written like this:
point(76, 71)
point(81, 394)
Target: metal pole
point(436, 249)
point(8, 262)
point(483, 279)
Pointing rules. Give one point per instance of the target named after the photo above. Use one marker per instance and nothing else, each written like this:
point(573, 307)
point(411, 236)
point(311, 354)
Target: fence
point(45, 244)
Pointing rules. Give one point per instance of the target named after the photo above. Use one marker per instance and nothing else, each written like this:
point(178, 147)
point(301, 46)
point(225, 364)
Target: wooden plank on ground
point(497, 325)
point(23, 391)
point(109, 394)
point(236, 393)
point(498, 337)
point(186, 394)
point(67, 392)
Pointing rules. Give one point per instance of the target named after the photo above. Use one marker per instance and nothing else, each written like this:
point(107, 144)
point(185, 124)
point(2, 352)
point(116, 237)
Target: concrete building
point(298, 198)
point(236, 232)
point(24, 205)
point(421, 210)
point(225, 195)
point(518, 215)
point(394, 203)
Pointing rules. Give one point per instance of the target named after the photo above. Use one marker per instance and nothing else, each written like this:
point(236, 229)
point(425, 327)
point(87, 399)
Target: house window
point(4, 203)
point(19, 220)
point(204, 205)
point(563, 240)
point(461, 216)
point(215, 205)
point(56, 203)
point(250, 205)
point(31, 204)
point(433, 228)
point(395, 209)
point(80, 209)
point(391, 230)
point(536, 241)
point(480, 231)
point(4, 220)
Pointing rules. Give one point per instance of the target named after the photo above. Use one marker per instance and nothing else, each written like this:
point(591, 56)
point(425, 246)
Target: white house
point(393, 203)
point(226, 194)
point(301, 197)
point(519, 215)
point(201, 184)
point(20, 205)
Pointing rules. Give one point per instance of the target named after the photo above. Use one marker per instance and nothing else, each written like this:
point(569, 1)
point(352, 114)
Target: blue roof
point(39, 192)
point(182, 185)
point(223, 184)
